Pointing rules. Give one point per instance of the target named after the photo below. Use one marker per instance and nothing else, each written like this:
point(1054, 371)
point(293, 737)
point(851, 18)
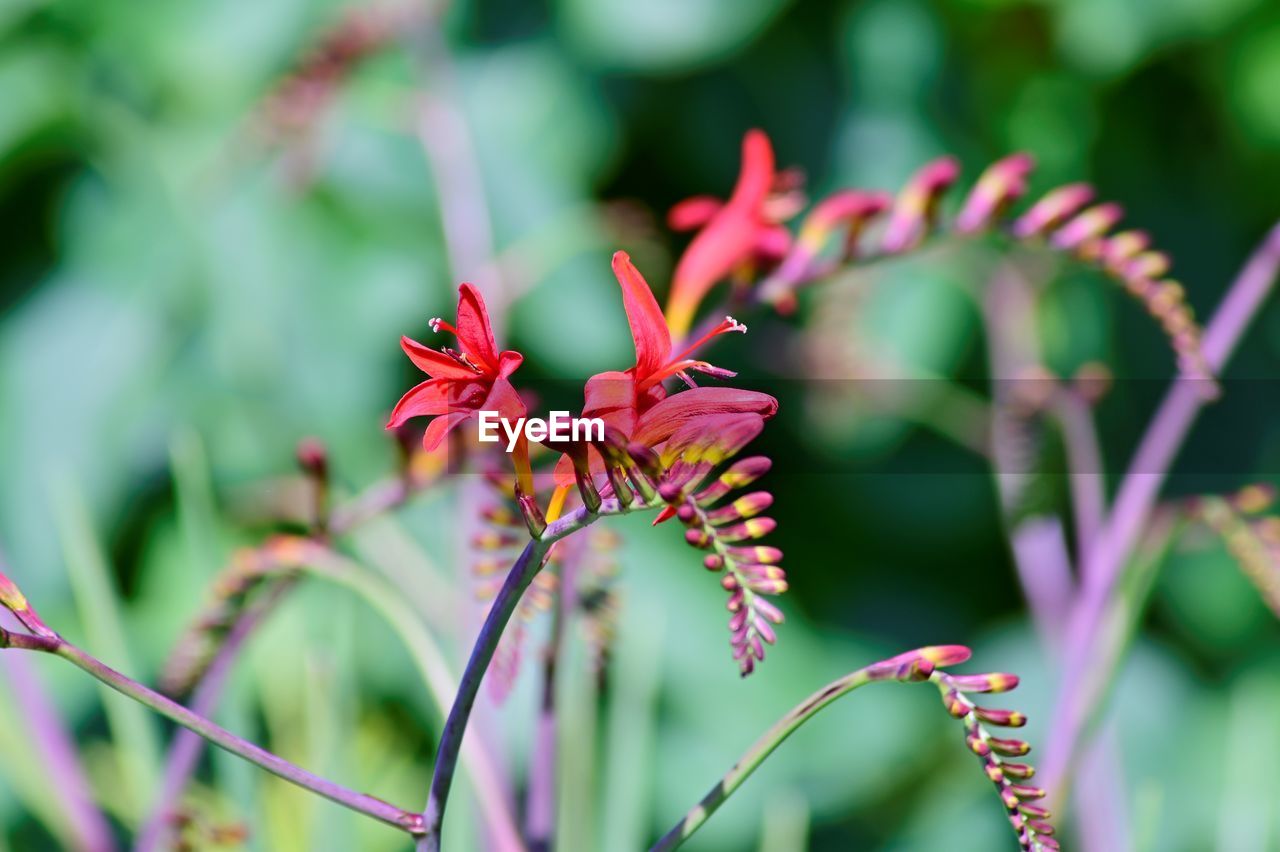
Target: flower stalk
point(360, 802)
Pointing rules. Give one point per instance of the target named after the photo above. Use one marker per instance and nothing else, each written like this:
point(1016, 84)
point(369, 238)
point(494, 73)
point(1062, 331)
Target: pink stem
point(1136, 499)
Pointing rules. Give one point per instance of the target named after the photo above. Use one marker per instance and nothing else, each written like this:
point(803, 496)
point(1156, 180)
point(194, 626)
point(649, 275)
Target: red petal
point(660, 422)
point(435, 364)
point(474, 332)
point(711, 438)
point(504, 399)
point(648, 327)
point(429, 398)
point(441, 426)
point(693, 212)
point(757, 174)
point(611, 396)
point(728, 239)
point(508, 362)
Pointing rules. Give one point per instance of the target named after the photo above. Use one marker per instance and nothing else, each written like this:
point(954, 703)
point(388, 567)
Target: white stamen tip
point(434, 322)
point(734, 325)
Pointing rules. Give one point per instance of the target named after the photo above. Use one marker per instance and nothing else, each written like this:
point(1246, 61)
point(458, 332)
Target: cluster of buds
point(1063, 220)
point(297, 102)
point(1252, 537)
point(1029, 819)
point(727, 525)
point(249, 569)
point(680, 477)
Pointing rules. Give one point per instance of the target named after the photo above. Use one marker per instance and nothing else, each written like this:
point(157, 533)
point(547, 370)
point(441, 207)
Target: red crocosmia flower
point(462, 381)
point(634, 402)
point(734, 234)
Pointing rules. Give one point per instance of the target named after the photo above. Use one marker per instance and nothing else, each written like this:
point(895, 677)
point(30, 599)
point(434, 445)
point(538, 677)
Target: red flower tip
point(732, 234)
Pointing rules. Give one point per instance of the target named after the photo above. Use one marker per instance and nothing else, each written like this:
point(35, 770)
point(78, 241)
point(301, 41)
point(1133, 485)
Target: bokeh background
point(203, 265)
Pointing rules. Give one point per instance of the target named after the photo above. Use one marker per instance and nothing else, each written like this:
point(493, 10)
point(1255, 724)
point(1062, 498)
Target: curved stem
point(437, 677)
point(1084, 464)
point(1135, 499)
point(359, 802)
point(756, 755)
point(184, 752)
point(526, 567)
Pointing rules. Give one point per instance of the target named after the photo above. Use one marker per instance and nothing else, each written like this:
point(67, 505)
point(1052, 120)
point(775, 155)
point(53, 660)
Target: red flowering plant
point(674, 446)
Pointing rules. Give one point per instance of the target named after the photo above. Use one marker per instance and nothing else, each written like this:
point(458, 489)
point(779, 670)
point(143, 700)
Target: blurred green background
point(182, 299)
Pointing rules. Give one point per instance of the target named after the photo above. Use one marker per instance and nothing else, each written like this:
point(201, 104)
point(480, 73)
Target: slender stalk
point(526, 567)
point(1038, 543)
point(368, 805)
point(760, 750)
point(1135, 500)
point(87, 827)
point(184, 751)
point(540, 808)
point(1085, 467)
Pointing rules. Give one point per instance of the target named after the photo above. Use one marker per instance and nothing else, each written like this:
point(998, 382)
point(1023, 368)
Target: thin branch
point(1086, 475)
point(527, 565)
point(56, 750)
point(1038, 542)
point(361, 803)
point(184, 751)
point(1136, 497)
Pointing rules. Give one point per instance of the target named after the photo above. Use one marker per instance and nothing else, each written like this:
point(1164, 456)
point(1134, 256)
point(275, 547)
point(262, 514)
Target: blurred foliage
point(180, 302)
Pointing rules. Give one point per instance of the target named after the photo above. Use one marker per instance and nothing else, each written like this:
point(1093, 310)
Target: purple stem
point(1136, 499)
point(368, 805)
point(58, 759)
point(1038, 543)
point(1084, 461)
point(526, 567)
point(540, 810)
point(187, 746)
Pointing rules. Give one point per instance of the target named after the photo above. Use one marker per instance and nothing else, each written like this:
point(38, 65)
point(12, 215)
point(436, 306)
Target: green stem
point(762, 748)
point(359, 802)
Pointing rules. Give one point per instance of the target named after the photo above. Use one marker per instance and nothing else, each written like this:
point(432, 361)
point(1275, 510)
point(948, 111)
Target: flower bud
point(741, 474)
point(761, 554)
point(1009, 747)
point(1002, 718)
point(995, 682)
point(945, 655)
point(1003, 182)
point(747, 530)
point(746, 506)
point(1094, 222)
point(1053, 208)
point(917, 204)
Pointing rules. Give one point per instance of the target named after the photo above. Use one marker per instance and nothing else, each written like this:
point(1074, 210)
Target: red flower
point(733, 233)
point(463, 381)
point(634, 402)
